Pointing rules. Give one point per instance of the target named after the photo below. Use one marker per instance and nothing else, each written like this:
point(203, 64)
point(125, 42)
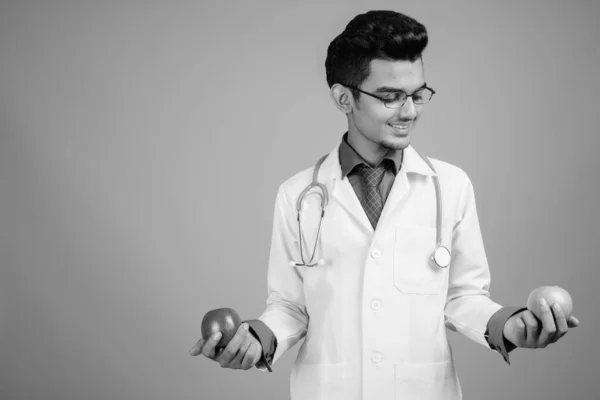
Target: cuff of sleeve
point(267, 339)
point(495, 329)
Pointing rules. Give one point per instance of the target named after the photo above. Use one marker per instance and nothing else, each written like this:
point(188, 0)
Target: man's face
point(372, 125)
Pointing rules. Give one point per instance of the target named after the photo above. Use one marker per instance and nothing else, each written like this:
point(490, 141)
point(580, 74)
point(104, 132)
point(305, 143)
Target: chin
point(396, 143)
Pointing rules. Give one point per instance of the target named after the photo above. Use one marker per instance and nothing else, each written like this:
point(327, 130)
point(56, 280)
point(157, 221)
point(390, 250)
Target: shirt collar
point(349, 158)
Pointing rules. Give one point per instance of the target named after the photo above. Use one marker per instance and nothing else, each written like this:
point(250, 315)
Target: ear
point(342, 98)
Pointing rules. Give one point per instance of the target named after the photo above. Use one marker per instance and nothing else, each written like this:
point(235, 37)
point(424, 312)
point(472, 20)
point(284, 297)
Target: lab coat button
point(376, 253)
point(376, 357)
point(376, 304)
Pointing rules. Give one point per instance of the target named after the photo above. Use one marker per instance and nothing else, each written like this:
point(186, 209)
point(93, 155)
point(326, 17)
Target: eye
point(393, 97)
point(422, 95)
point(418, 95)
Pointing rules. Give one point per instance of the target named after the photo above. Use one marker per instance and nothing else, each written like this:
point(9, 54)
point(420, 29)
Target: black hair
point(377, 34)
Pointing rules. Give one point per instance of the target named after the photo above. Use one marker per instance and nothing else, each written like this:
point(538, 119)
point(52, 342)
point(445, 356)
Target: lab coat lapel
point(412, 163)
point(395, 202)
point(341, 190)
point(346, 196)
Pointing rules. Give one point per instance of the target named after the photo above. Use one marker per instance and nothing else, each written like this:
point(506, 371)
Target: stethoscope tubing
point(441, 255)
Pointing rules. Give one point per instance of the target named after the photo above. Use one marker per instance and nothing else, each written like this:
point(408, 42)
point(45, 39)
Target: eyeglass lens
point(396, 100)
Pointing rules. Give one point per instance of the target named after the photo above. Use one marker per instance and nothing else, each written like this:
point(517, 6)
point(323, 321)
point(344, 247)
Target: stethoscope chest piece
point(441, 257)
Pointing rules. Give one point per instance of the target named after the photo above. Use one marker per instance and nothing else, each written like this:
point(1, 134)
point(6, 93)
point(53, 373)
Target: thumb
point(197, 348)
point(572, 322)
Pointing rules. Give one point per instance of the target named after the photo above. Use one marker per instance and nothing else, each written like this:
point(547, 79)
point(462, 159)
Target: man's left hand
point(525, 330)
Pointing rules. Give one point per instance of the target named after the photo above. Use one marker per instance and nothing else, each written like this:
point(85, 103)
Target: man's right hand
point(242, 352)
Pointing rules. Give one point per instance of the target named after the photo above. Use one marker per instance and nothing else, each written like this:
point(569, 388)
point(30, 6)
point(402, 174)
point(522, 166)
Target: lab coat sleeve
point(468, 304)
point(285, 313)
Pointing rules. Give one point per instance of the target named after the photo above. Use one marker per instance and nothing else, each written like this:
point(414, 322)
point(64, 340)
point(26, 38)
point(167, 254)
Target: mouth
point(402, 128)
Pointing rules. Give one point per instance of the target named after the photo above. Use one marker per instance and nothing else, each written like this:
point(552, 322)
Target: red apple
point(552, 294)
point(224, 320)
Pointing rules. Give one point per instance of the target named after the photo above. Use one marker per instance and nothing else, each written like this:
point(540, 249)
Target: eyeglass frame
point(384, 100)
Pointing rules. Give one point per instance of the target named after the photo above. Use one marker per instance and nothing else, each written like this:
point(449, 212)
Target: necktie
point(372, 201)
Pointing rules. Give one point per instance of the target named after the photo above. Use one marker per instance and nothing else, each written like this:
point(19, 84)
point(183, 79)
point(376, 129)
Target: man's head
point(379, 52)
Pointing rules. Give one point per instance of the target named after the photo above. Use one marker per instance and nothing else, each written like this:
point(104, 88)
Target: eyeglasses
point(397, 99)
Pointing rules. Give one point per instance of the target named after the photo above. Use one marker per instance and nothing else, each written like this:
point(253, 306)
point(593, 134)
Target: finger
point(208, 350)
point(236, 362)
point(252, 356)
point(549, 328)
point(572, 322)
point(532, 329)
point(561, 322)
point(195, 350)
point(233, 346)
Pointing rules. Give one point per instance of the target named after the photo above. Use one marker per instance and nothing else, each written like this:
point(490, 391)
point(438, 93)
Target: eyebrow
point(389, 89)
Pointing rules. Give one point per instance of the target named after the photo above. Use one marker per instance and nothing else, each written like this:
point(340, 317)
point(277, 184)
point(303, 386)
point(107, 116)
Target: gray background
point(142, 145)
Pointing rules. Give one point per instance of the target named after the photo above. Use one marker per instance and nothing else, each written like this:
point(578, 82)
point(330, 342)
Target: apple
point(224, 320)
point(552, 294)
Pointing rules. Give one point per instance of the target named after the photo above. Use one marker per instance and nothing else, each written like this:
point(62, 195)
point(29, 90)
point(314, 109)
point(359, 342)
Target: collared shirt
point(350, 160)
point(392, 161)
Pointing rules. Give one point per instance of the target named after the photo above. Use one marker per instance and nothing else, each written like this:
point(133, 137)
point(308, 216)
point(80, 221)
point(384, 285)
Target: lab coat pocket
point(319, 381)
point(414, 270)
point(427, 381)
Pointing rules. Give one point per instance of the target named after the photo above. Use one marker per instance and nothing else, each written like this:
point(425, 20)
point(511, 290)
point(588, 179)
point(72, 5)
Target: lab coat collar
point(414, 163)
point(411, 163)
point(341, 190)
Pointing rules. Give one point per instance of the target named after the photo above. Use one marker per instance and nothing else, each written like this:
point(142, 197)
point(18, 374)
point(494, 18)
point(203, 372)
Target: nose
point(408, 109)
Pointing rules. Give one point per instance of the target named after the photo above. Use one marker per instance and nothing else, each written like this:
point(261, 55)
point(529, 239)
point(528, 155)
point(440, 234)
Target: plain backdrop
point(142, 144)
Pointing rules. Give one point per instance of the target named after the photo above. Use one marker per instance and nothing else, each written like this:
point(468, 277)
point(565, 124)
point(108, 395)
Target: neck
point(372, 152)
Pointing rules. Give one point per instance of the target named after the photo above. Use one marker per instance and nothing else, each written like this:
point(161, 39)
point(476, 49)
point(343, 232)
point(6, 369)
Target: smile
point(400, 127)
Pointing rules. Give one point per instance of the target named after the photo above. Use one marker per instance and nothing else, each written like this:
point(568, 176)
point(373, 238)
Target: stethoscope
point(441, 256)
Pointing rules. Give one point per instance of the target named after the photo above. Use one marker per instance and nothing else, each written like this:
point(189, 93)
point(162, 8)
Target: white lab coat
point(374, 317)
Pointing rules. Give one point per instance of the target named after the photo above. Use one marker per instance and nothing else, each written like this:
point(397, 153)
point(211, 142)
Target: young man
point(375, 308)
